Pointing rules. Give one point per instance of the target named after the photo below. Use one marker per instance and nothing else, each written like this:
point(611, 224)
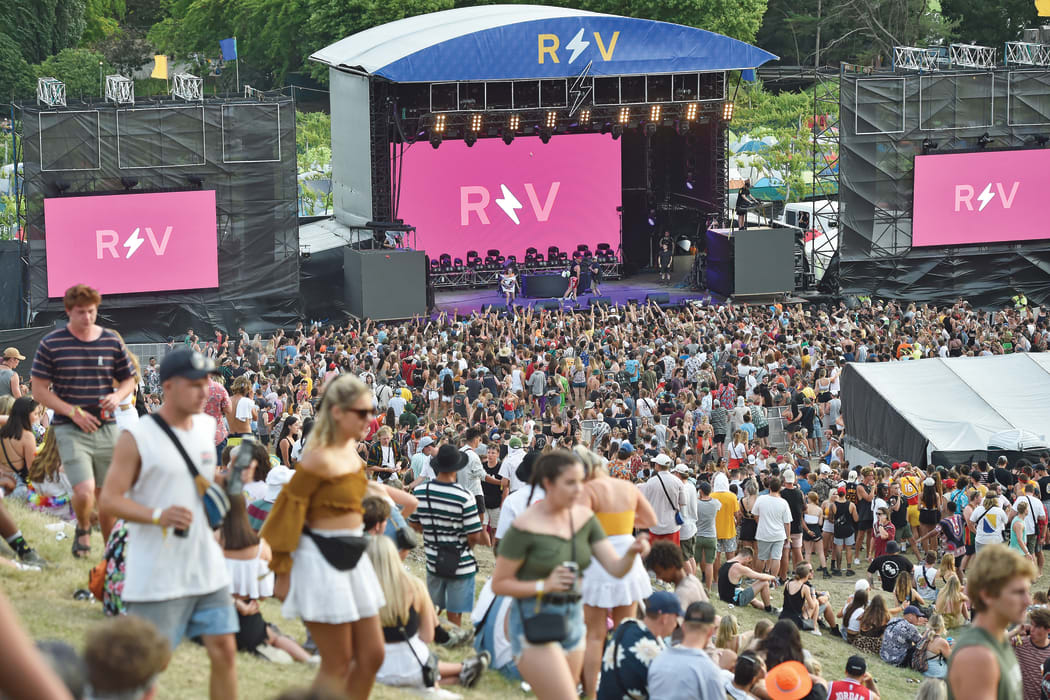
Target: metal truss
point(971, 56)
point(120, 90)
point(461, 276)
point(188, 87)
point(50, 92)
point(1023, 53)
point(915, 58)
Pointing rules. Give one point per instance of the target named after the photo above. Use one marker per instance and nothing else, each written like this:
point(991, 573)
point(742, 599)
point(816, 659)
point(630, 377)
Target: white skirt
point(318, 592)
point(400, 667)
point(602, 590)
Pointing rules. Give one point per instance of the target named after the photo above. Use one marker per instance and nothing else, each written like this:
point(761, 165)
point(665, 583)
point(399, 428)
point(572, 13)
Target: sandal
point(81, 551)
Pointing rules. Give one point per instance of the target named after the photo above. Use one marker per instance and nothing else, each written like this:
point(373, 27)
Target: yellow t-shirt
point(725, 518)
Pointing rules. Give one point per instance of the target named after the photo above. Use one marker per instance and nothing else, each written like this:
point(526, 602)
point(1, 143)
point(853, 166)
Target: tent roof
point(503, 42)
point(958, 403)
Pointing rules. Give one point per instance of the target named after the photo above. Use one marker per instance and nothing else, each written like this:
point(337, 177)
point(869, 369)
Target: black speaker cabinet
point(385, 284)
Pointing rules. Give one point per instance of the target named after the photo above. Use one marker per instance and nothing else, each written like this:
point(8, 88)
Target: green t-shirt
point(1010, 683)
point(541, 553)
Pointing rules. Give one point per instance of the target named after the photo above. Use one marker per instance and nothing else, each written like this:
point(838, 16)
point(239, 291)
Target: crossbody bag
point(546, 627)
point(446, 560)
point(216, 502)
point(678, 520)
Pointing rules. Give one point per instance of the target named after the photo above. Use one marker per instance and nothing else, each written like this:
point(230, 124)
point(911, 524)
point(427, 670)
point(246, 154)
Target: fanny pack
point(341, 552)
point(216, 502)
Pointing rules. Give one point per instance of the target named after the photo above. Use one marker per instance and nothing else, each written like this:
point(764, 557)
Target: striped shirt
point(1030, 658)
point(81, 372)
point(448, 513)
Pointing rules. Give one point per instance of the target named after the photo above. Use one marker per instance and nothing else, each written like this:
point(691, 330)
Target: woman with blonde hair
point(938, 649)
point(409, 621)
point(728, 635)
point(947, 569)
point(316, 532)
point(737, 450)
point(905, 593)
point(242, 411)
point(953, 604)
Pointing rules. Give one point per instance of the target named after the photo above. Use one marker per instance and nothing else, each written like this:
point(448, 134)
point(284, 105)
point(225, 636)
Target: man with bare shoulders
point(983, 665)
point(732, 582)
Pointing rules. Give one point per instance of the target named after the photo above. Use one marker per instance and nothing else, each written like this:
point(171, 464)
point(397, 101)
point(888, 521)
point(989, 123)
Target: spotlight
point(727, 111)
point(983, 140)
point(435, 138)
point(654, 113)
point(585, 117)
point(514, 123)
point(439, 124)
point(689, 180)
point(128, 184)
point(625, 115)
point(929, 145)
point(551, 121)
point(617, 131)
point(475, 123)
point(691, 110)
point(196, 180)
point(471, 137)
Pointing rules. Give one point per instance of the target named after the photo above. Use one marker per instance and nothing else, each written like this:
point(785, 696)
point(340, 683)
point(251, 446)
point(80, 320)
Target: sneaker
point(816, 631)
point(458, 636)
point(26, 567)
point(856, 561)
point(824, 570)
point(851, 572)
point(473, 668)
point(29, 556)
point(836, 572)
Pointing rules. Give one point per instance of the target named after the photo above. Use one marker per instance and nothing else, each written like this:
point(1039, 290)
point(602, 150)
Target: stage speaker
point(549, 304)
point(385, 284)
point(658, 298)
point(600, 301)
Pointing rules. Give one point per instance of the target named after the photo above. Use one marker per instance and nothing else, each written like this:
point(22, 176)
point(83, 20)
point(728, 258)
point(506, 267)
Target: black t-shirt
point(1004, 477)
point(1044, 488)
point(796, 501)
point(899, 517)
point(889, 566)
point(492, 492)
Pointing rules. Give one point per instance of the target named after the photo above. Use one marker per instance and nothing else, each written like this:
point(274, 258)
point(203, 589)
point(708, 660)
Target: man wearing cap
point(667, 497)
point(175, 575)
point(9, 382)
point(685, 670)
point(421, 459)
point(508, 469)
point(901, 637)
point(448, 518)
point(74, 374)
point(634, 645)
point(858, 683)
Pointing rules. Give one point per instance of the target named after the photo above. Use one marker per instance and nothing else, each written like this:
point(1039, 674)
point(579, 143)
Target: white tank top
point(159, 567)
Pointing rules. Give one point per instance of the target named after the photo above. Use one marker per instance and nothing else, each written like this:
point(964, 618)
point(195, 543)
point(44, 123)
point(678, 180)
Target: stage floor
point(618, 291)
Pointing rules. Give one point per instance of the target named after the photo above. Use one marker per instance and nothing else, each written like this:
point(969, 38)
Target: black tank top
point(726, 588)
point(793, 606)
point(392, 635)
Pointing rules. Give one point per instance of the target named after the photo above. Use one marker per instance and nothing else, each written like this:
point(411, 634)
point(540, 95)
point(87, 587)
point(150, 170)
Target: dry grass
point(45, 603)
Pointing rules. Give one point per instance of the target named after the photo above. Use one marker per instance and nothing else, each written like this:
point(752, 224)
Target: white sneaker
point(856, 560)
point(816, 632)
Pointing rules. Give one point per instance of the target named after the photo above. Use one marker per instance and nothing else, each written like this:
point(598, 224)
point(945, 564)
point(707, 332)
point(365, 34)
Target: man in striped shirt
point(448, 518)
point(83, 373)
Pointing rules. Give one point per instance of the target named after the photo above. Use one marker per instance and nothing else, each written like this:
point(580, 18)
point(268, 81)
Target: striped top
point(448, 513)
point(81, 372)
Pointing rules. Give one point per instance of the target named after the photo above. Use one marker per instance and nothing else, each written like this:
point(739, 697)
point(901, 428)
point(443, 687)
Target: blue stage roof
point(520, 42)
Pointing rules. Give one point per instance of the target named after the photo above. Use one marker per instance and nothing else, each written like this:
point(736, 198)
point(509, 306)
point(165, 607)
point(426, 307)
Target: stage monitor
point(512, 197)
point(982, 197)
point(125, 243)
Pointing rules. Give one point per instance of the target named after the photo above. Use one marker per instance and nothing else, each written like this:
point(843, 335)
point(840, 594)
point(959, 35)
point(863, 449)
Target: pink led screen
point(125, 243)
point(963, 198)
point(512, 197)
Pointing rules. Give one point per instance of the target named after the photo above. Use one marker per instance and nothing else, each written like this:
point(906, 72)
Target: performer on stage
point(574, 280)
point(508, 284)
point(666, 255)
point(595, 268)
point(744, 202)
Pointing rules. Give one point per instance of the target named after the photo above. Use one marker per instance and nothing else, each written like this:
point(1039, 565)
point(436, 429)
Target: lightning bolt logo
point(132, 244)
point(581, 89)
point(985, 197)
point(577, 45)
point(509, 204)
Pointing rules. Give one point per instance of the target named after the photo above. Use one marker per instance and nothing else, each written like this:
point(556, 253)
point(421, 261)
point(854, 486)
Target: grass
point(44, 600)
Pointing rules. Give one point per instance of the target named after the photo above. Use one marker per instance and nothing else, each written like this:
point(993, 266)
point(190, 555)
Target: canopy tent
point(517, 42)
point(944, 411)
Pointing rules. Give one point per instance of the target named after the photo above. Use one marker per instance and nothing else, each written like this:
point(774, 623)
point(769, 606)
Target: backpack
point(919, 662)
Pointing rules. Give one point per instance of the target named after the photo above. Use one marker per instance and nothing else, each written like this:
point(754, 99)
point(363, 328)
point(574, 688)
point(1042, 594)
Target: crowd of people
point(628, 468)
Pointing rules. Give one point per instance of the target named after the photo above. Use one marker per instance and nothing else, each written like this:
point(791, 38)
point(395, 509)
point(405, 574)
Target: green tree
point(312, 129)
point(102, 19)
point(991, 23)
point(16, 77)
point(79, 69)
point(126, 50)
point(41, 28)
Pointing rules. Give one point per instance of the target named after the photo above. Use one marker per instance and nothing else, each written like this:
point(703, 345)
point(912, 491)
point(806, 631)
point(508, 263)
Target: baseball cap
point(852, 475)
point(663, 602)
point(514, 443)
point(892, 547)
point(928, 481)
point(425, 441)
point(700, 611)
point(789, 476)
point(681, 469)
point(912, 610)
point(663, 460)
point(13, 354)
point(185, 363)
point(861, 585)
point(825, 469)
point(842, 490)
point(856, 665)
point(627, 447)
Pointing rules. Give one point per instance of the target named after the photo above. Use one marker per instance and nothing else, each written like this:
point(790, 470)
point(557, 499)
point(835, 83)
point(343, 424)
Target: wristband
point(157, 512)
point(539, 588)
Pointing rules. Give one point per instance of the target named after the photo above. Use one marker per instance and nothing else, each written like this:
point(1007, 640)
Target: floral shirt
point(620, 469)
point(625, 666)
point(216, 407)
point(899, 636)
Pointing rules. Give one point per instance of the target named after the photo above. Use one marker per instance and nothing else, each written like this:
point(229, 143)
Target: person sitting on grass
point(634, 644)
point(667, 562)
point(733, 586)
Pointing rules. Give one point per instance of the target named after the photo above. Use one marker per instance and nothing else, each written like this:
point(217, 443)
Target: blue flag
point(746, 75)
point(229, 48)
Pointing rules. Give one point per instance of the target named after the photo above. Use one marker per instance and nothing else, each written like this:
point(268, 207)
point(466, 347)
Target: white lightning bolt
point(132, 244)
point(509, 204)
point(577, 45)
point(985, 197)
point(580, 89)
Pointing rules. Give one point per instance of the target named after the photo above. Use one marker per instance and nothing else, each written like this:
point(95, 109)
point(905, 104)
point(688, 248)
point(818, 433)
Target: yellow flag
point(160, 67)
point(1042, 7)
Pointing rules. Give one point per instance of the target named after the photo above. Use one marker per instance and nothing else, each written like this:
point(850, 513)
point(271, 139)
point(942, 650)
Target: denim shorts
point(193, 616)
point(454, 595)
point(573, 612)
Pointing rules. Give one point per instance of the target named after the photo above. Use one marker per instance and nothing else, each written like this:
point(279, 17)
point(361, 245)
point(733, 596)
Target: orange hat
point(788, 681)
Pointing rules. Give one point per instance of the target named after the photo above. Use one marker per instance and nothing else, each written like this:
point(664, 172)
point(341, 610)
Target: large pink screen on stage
point(964, 198)
point(125, 243)
point(527, 194)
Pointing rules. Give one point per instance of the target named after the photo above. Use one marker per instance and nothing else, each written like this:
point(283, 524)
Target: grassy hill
point(44, 601)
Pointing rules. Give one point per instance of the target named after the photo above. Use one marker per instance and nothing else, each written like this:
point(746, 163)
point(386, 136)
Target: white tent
point(944, 411)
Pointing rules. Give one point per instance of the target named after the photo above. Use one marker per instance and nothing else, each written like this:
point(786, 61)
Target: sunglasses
point(362, 413)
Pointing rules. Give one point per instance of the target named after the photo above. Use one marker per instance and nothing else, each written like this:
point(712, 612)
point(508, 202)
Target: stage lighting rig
point(585, 117)
point(727, 111)
point(475, 122)
point(691, 111)
point(983, 140)
point(625, 115)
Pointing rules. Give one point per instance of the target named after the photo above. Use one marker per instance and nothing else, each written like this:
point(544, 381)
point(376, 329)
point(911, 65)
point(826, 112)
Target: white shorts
point(602, 590)
point(318, 592)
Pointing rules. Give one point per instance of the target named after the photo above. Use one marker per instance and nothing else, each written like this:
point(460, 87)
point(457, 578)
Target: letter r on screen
point(106, 240)
point(467, 205)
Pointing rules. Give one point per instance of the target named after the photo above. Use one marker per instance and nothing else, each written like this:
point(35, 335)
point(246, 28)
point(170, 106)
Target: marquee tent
point(943, 410)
